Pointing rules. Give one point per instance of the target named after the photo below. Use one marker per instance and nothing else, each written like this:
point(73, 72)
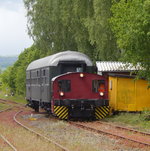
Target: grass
point(24, 140)
point(136, 120)
point(16, 98)
point(3, 106)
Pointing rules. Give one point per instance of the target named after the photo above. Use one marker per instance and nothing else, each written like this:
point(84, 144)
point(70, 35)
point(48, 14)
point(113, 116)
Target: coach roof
point(53, 60)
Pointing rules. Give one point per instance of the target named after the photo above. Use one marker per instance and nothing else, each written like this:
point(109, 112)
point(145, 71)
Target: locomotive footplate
point(66, 109)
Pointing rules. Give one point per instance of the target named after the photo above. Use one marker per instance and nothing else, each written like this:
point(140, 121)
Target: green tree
point(0, 71)
point(14, 77)
point(72, 24)
point(20, 66)
point(100, 34)
point(131, 25)
point(5, 79)
point(46, 28)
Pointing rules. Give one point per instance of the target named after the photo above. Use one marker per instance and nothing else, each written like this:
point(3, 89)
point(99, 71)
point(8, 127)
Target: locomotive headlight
point(101, 93)
point(81, 75)
point(61, 93)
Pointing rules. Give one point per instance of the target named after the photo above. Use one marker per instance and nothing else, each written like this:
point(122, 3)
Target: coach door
point(45, 84)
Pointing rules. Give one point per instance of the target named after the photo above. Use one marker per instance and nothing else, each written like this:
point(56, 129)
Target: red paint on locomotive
point(81, 87)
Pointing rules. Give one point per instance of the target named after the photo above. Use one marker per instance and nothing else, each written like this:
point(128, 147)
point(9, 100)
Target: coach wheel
point(36, 107)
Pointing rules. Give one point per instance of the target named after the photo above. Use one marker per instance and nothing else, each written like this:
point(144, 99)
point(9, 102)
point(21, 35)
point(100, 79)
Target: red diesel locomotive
point(80, 95)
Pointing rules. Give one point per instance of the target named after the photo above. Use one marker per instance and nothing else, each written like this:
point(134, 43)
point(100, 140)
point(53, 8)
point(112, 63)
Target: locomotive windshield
point(64, 85)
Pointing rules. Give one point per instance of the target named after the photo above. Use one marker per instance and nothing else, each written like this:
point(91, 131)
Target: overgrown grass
point(3, 106)
point(16, 98)
point(138, 120)
point(24, 140)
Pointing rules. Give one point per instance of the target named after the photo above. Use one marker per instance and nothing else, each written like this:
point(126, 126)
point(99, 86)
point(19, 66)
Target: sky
point(13, 28)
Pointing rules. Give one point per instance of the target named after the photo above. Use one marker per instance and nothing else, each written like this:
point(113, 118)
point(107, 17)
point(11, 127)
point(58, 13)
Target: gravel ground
point(75, 139)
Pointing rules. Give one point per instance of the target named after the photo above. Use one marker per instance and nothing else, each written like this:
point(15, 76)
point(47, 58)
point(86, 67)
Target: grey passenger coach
point(40, 72)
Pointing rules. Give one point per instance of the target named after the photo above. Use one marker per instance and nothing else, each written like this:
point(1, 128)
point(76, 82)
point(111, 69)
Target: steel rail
point(9, 108)
point(38, 134)
point(6, 109)
point(108, 133)
point(8, 142)
point(125, 128)
point(9, 101)
point(12, 102)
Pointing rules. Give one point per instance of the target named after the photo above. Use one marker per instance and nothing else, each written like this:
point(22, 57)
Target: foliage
point(100, 33)
point(5, 79)
point(72, 24)
point(131, 25)
point(14, 77)
point(0, 71)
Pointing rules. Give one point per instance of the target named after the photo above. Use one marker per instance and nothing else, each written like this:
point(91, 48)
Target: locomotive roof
point(53, 60)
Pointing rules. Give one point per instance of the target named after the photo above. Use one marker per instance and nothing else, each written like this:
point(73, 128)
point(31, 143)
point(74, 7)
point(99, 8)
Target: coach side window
point(64, 85)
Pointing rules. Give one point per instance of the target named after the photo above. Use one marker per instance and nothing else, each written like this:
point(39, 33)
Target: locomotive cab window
point(64, 85)
point(98, 85)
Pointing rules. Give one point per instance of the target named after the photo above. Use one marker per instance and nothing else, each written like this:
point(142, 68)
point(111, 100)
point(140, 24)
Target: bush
point(145, 115)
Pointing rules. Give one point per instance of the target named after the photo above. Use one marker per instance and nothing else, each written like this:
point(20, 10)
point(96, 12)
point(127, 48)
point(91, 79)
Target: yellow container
point(127, 94)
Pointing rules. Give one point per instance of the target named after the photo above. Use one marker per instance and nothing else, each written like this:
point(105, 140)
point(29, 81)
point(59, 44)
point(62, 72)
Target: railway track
point(8, 108)
point(119, 132)
point(4, 110)
point(11, 106)
point(9, 143)
point(62, 148)
point(125, 128)
point(11, 102)
point(99, 128)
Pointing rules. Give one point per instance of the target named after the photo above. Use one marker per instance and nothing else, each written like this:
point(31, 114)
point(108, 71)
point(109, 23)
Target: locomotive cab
point(80, 95)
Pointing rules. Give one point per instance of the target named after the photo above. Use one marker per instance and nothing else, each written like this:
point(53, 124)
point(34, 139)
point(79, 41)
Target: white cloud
point(13, 31)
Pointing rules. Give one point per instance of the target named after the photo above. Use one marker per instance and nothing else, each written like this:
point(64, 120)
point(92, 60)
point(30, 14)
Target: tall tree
point(100, 34)
point(72, 24)
point(45, 26)
point(14, 77)
point(131, 25)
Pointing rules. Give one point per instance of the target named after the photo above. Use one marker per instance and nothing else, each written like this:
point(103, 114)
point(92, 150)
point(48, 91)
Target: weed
point(145, 115)
point(138, 120)
point(3, 106)
point(16, 98)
